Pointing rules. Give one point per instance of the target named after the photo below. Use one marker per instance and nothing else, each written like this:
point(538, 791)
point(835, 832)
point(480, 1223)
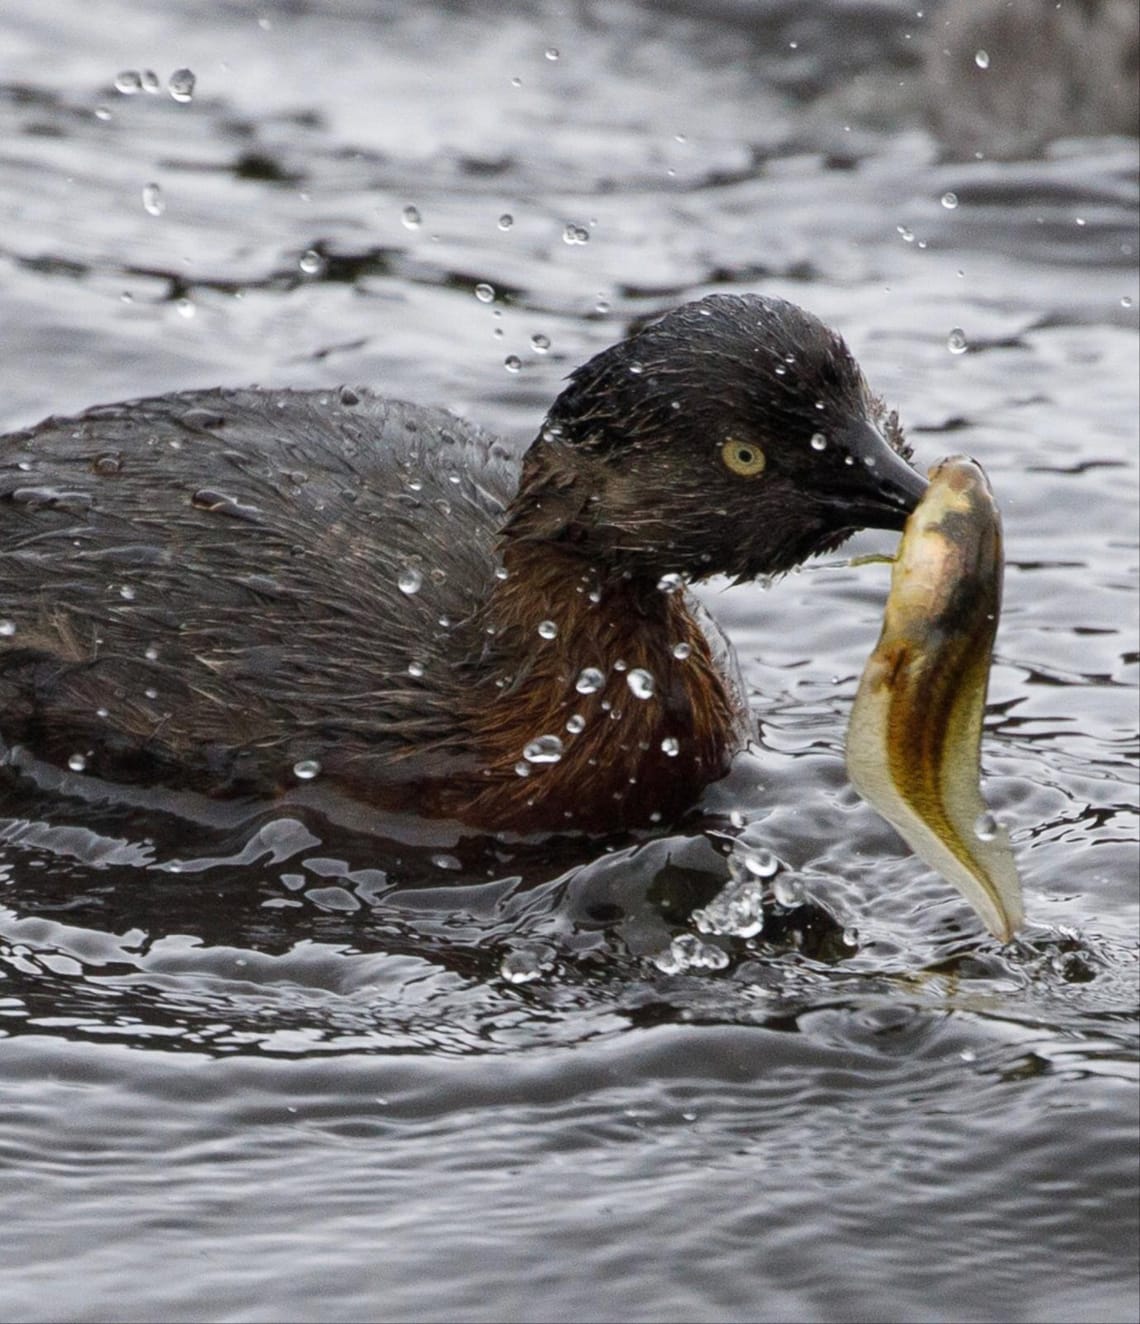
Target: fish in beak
point(914, 738)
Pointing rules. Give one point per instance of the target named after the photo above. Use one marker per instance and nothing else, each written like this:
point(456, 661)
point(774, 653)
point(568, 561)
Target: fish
point(915, 730)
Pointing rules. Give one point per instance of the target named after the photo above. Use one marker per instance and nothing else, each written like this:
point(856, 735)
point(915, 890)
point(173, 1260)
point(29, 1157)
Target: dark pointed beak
point(876, 488)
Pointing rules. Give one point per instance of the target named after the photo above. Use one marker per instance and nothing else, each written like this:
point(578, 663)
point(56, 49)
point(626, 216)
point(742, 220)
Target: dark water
point(266, 1066)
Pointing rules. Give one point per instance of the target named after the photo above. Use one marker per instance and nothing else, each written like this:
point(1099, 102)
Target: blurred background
point(263, 1068)
point(322, 200)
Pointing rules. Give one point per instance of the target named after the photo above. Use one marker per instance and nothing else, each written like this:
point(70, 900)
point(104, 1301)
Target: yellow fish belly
point(914, 738)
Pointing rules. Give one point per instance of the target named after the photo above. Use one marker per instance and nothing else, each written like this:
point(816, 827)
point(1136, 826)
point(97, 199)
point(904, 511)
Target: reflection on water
point(348, 1069)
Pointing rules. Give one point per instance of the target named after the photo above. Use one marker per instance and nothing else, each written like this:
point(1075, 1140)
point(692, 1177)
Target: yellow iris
point(744, 458)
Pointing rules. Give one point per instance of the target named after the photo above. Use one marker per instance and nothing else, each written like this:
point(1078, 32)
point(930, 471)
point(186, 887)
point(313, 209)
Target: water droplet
point(306, 769)
point(7, 629)
point(1126, 302)
point(506, 221)
point(670, 583)
point(546, 749)
point(982, 59)
point(956, 341)
point(758, 861)
point(485, 293)
point(787, 892)
point(547, 630)
point(905, 234)
point(968, 1055)
point(737, 909)
point(180, 85)
point(575, 234)
point(818, 441)
point(950, 201)
point(128, 82)
point(103, 113)
point(416, 669)
point(77, 762)
point(986, 827)
point(851, 936)
point(671, 746)
point(682, 651)
point(512, 363)
point(311, 262)
point(590, 681)
point(553, 53)
point(410, 580)
point(154, 204)
point(602, 306)
point(411, 218)
point(348, 397)
point(521, 966)
point(641, 683)
point(151, 653)
point(185, 308)
point(522, 768)
point(150, 82)
point(576, 724)
point(110, 462)
point(688, 952)
point(540, 343)
point(127, 592)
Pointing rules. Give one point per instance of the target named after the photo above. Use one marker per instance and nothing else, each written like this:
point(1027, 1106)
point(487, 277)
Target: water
point(260, 1064)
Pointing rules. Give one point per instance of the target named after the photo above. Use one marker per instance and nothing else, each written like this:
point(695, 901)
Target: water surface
point(258, 1064)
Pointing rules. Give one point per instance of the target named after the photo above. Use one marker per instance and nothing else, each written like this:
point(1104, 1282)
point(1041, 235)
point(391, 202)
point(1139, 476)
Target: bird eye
point(744, 458)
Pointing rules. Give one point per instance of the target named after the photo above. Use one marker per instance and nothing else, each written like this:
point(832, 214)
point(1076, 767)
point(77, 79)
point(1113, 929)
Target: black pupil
point(744, 455)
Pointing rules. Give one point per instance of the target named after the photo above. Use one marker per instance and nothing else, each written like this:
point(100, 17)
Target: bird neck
point(556, 499)
point(600, 704)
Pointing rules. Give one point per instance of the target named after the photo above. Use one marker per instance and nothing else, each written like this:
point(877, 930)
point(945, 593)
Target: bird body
point(233, 591)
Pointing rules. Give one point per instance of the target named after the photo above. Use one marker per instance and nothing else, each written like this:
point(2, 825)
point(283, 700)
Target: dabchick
point(234, 591)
